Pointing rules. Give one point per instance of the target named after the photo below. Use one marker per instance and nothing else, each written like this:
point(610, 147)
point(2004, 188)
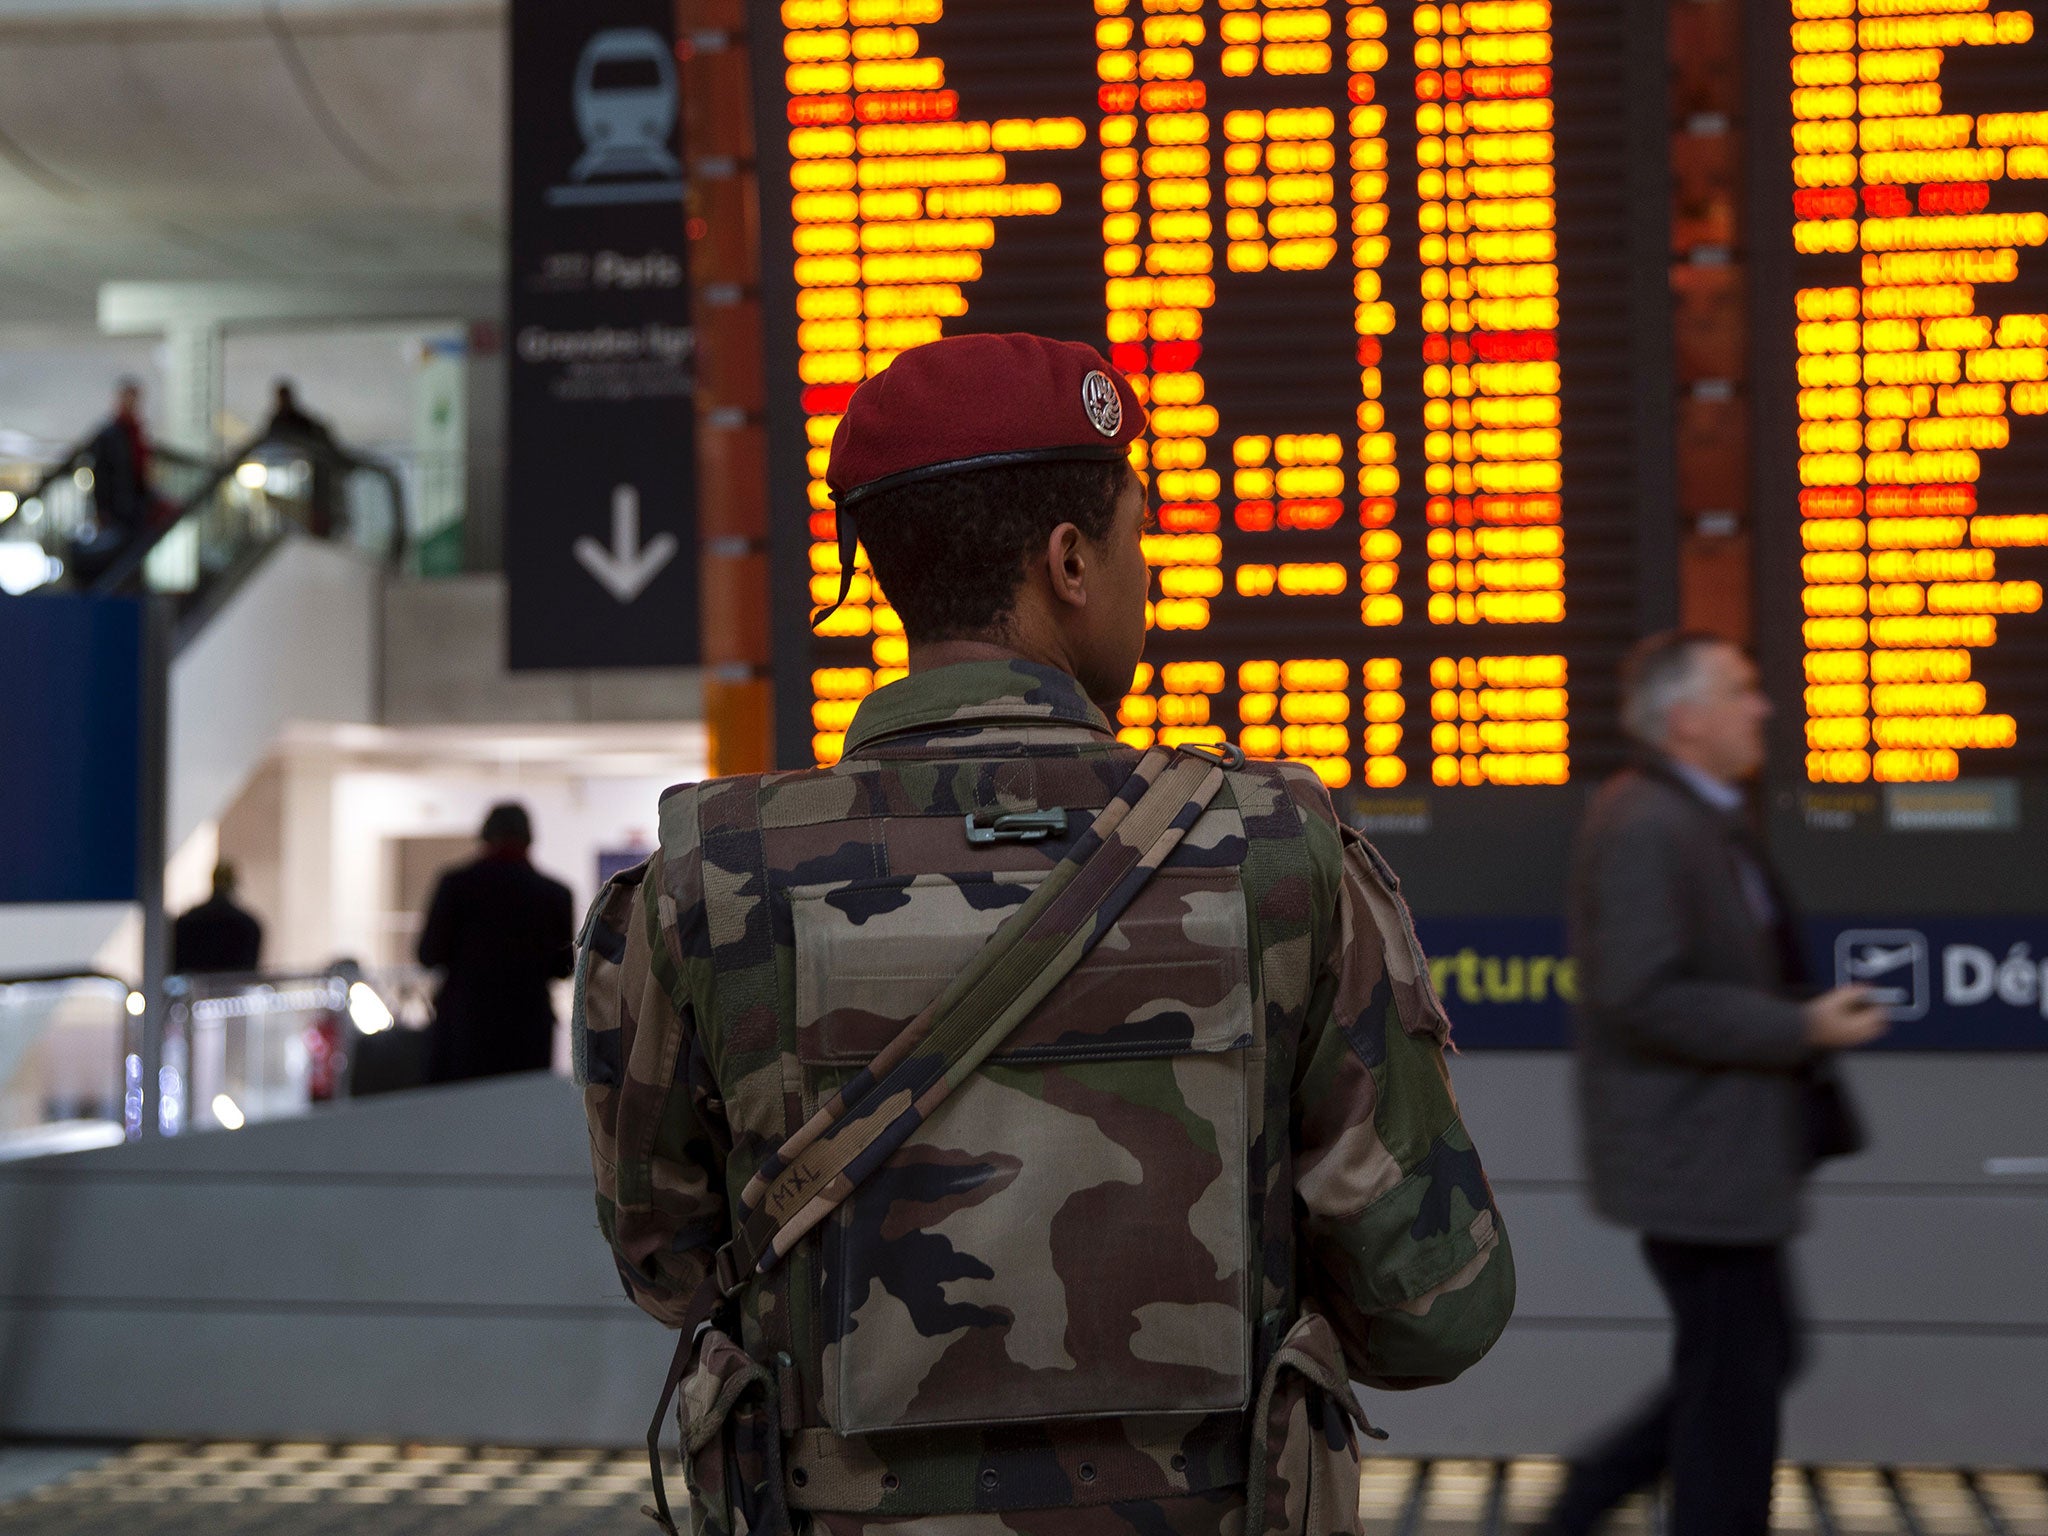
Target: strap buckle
point(1015, 826)
point(725, 1265)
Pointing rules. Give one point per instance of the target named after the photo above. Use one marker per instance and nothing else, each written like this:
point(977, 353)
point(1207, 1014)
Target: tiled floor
point(341, 1490)
point(422, 1490)
point(1483, 1498)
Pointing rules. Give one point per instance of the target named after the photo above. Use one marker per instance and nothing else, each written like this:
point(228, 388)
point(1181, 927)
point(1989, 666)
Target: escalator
point(208, 524)
point(49, 523)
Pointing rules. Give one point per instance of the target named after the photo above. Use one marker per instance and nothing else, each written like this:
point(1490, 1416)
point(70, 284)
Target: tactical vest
point(1067, 1289)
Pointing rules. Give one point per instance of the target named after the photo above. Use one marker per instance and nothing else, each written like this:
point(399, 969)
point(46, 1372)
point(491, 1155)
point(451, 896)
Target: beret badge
point(1104, 406)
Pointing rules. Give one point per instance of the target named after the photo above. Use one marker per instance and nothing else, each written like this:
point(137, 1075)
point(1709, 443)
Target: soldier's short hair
point(1662, 670)
point(950, 552)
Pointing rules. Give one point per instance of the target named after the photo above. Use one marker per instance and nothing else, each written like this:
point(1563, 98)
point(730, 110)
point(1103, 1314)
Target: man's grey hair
point(1660, 671)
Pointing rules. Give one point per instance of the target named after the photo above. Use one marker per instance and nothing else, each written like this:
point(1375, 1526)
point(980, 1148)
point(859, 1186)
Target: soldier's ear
point(1068, 557)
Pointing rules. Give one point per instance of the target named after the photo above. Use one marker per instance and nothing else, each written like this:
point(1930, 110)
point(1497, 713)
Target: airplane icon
point(1872, 963)
point(1892, 962)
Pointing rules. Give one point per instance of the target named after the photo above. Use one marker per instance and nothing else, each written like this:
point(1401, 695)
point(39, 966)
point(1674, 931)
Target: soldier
point(1117, 1280)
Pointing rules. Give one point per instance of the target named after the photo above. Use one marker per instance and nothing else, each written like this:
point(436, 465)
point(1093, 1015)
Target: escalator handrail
point(79, 454)
point(124, 570)
point(396, 488)
point(361, 463)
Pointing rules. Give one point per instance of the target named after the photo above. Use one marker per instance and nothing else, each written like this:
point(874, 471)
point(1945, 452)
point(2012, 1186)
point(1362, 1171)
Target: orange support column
point(732, 449)
point(1710, 318)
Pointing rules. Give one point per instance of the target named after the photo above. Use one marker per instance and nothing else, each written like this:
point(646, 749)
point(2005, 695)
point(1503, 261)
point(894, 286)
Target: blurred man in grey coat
point(1706, 1086)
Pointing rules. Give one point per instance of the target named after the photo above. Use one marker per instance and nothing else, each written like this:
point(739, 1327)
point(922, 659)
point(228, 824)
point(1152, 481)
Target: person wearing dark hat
point(500, 931)
point(1023, 1131)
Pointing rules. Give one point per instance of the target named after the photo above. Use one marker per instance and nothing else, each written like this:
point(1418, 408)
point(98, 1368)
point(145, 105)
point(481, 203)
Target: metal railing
point(237, 1050)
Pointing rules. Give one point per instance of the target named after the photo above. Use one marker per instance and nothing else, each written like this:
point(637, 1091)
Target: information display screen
point(1899, 165)
point(1919, 200)
point(1898, 157)
point(1390, 278)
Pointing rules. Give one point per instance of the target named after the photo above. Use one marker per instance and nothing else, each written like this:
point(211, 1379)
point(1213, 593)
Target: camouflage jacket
point(1062, 1292)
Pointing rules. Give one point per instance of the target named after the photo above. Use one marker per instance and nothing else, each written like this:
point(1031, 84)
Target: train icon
point(625, 102)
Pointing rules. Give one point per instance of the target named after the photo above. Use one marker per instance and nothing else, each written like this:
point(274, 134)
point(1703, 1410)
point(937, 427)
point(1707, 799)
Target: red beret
point(979, 402)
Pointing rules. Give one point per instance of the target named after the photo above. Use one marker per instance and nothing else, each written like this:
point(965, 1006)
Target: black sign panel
point(600, 534)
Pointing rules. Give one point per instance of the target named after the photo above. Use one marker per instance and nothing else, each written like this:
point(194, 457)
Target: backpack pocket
point(731, 1424)
point(1304, 1456)
point(1069, 1235)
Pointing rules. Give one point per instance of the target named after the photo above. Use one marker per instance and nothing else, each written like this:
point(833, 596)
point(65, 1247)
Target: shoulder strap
point(878, 1108)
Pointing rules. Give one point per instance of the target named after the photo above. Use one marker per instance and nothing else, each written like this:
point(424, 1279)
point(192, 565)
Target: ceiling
point(220, 140)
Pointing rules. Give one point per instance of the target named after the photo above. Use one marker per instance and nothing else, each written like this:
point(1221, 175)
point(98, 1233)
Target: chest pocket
point(1069, 1235)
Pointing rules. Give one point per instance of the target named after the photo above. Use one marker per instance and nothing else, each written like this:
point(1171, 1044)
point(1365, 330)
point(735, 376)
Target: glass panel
point(238, 1049)
point(61, 1069)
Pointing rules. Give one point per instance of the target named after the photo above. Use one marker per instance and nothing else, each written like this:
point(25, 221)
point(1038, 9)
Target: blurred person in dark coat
point(292, 422)
point(500, 930)
point(293, 425)
point(1706, 1086)
point(217, 935)
point(120, 451)
point(123, 501)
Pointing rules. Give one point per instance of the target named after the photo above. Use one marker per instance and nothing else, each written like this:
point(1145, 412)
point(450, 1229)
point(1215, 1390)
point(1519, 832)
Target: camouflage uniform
point(1124, 1271)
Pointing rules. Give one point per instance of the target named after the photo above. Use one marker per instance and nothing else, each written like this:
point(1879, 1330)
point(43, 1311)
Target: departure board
point(1389, 278)
point(1918, 151)
point(1897, 154)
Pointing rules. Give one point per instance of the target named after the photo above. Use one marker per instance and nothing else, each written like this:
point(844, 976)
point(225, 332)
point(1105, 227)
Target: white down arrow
point(628, 566)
